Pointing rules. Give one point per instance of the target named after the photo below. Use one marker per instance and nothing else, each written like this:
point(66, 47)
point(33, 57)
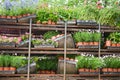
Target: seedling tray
point(6, 45)
point(88, 72)
point(111, 72)
point(44, 46)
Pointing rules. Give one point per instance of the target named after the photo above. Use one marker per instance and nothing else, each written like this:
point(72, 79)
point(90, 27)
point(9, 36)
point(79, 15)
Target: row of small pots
point(47, 72)
point(14, 17)
point(109, 43)
point(7, 68)
point(97, 70)
point(87, 43)
point(46, 22)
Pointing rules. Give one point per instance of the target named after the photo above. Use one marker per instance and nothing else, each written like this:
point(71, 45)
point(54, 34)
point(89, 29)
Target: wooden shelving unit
point(22, 50)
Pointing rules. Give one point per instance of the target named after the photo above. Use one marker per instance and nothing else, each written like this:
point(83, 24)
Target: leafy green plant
point(78, 37)
point(89, 61)
point(49, 34)
point(38, 41)
point(6, 60)
point(1, 60)
point(111, 61)
point(96, 37)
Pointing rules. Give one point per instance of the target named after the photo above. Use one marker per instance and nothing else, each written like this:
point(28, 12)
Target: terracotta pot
point(60, 58)
point(8, 17)
point(49, 22)
point(96, 43)
point(118, 44)
point(91, 43)
point(79, 44)
point(53, 23)
point(47, 72)
point(52, 72)
point(81, 70)
point(85, 43)
point(108, 43)
point(12, 68)
point(6, 68)
point(92, 70)
point(19, 16)
point(87, 70)
point(118, 69)
point(38, 22)
point(97, 70)
point(24, 15)
point(115, 69)
point(3, 16)
point(28, 14)
point(105, 70)
point(13, 17)
point(1, 68)
point(110, 70)
point(42, 71)
point(114, 45)
point(44, 22)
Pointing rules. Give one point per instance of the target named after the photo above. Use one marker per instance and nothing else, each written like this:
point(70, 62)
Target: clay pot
point(49, 22)
point(81, 70)
point(118, 69)
point(79, 44)
point(96, 43)
point(53, 23)
point(114, 45)
point(108, 43)
point(118, 44)
point(85, 43)
point(12, 68)
point(28, 14)
point(91, 43)
point(52, 72)
point(8, 17)
point(19, 16)
point(115, 69)
point(13, 17)
point(110, 70)
point(92, 70)
point(38, 22)
point(87, 70)
point(24, 15)
point(1, 68)
point(42, 71)
point(60, 58)
point(3, 16)
point(6, 68)
point(104, 70)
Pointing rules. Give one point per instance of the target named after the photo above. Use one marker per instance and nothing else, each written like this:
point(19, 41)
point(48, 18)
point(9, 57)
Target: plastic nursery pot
point(52, 72)
point(1, 68)
point(19, 16)
point(108, 43)
point(6, 68)
point(87, 70)
point(12, 68)
point(53, 23)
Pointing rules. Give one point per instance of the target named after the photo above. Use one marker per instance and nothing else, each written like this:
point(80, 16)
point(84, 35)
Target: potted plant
point(96, 38)
point(111, 63)
point(6, 62)
point(88, 63)
point(1, 63)
point(13, 63)
point(78, 38)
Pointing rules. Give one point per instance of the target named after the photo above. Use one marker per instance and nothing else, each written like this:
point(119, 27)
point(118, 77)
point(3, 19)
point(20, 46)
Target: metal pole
point(65, 50)
point(99, 49)
point(29, 50)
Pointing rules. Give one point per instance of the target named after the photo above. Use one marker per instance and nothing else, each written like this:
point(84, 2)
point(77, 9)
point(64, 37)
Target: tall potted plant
point(1, 63)
point(6, 62)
